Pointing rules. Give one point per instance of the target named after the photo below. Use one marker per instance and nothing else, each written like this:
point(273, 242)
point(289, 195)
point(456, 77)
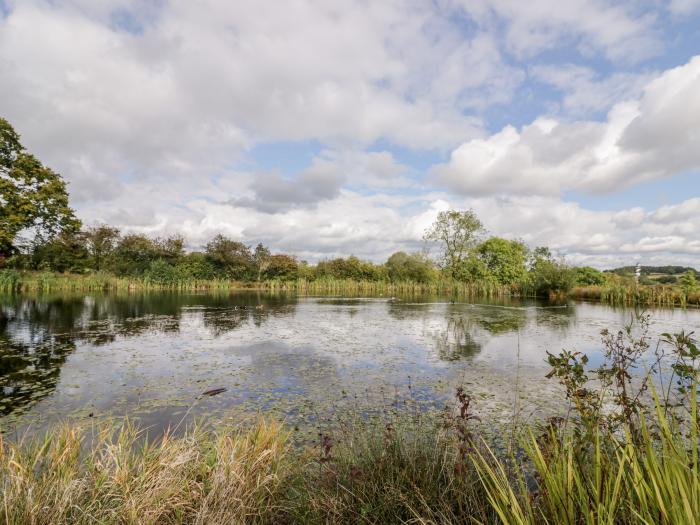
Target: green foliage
point(231, 258)
point(101, 242)
point(626, 462)
point(350, 268)
point(410, 267)
point(666, 279)
point(457, 233)
point(134, 254)
point(549, 276)
point(504, 260)
point(587, 276)
point(281, 267)
point(66, 252)
point(667, 270)
point(10, 280)
point(195, 265)
point(688, 282)
point(32, 196)
point(161, 272)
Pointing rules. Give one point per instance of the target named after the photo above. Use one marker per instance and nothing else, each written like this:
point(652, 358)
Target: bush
point(587, 276)
point(551, 277)
point(160, 272)
point(195, 265)
point(410, 267)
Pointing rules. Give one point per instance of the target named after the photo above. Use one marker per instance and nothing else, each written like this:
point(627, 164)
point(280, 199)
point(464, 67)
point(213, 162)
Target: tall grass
point(13, 281)
point(402, 470)
point(641, 295)
point(651, 479)
point(73, 477)
point(439, 287)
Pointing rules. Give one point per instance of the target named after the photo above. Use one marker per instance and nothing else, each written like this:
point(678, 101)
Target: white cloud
point(584, 91)
point(683, 7)
point(150, 108)
point(641, 140)
point(619, 30)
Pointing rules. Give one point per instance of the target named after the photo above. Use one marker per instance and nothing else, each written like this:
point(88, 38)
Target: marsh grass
point(32, 282)
point(76, 476)
point(623, 479)
point(637, 295)
point(427, 470)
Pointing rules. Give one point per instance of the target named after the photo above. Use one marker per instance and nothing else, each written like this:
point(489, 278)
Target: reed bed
point(13, 281)
point(21, 282)
point(641, 295)
point(632, 478)
point(85, 476)
point(352, 287)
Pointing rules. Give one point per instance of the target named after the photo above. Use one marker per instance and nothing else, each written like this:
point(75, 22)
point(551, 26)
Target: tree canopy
point(457, 233)
point(32, 196)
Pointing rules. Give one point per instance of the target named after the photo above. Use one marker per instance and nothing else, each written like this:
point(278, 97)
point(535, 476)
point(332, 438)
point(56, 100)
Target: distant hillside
point(659, 274)
point(647, 270)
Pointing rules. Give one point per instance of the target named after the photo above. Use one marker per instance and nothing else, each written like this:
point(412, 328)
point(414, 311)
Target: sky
point(337, 127)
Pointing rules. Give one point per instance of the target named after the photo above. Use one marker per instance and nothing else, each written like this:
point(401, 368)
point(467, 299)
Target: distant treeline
point(463, 254)
point(494, 261)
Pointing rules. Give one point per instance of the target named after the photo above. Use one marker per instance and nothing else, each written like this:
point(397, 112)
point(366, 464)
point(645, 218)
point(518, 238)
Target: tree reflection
point(502, 320)
point(456, 341)
point(37, 334)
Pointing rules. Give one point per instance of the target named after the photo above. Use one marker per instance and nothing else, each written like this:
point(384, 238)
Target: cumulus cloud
point(274, 194)
point(641, 140)
point(151, 109)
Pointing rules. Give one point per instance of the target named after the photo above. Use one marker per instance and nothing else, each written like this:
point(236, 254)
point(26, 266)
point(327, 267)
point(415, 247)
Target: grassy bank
point(14, 281)
point(614, 294)
point(642, 295)
point(397, 471)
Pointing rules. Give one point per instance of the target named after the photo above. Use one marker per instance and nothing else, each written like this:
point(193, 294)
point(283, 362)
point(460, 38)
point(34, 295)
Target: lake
point(304, 359)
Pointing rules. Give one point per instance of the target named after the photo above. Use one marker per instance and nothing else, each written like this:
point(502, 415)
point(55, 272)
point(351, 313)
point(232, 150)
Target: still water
point(304, 359)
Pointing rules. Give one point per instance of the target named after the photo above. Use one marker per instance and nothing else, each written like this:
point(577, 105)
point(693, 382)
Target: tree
point(402, 266)
point(504, 260)
point(134, 255)
point(231, 257)
point(66, 252)
point(101, 242)
point(195, 265)
point(548, 275)
point(458, 233)
point(32, 197)
point(587, 276)
point(282, 267)
point(261, 258)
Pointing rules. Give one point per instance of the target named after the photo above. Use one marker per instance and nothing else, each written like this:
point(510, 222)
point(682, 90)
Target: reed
point(22, 282)
point(77, 476)
point(350, 287)
point(396, 470)
point(644, 478)
point(637, 295)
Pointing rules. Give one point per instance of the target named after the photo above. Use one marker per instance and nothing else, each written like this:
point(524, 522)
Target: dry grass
point(77, 476)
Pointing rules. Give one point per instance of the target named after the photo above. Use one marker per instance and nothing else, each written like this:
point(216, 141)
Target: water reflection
point(151, 355)
point(37, 334)
point(456, 341)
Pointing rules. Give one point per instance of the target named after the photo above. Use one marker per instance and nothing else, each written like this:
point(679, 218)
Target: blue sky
point(331, 128)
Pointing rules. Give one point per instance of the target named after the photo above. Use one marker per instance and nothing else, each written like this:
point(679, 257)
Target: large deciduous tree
point(505, 260)
point(32, 196)
point(458, 233)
